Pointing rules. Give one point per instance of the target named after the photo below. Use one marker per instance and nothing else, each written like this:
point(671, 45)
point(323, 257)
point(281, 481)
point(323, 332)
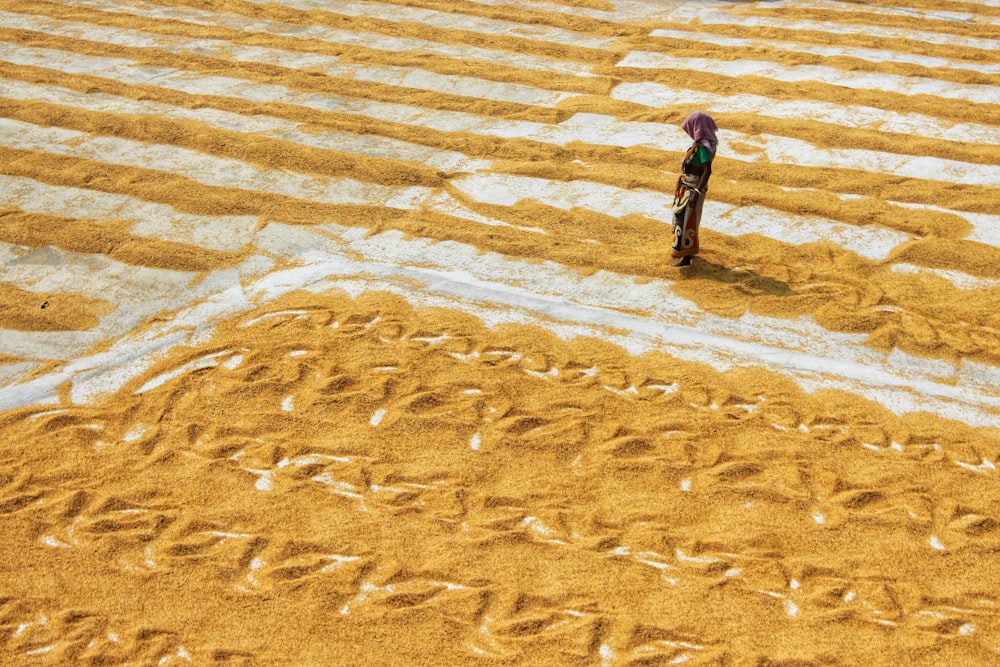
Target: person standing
point(689, 196)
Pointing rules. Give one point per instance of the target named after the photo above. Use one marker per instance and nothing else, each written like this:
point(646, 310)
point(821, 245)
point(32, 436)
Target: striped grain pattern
point(341, 332)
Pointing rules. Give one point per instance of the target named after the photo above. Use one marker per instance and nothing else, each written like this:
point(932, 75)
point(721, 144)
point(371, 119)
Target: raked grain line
point(858, 53)
point(852, 33)
point(964, 23)
point(959, 17)
point(501, 186)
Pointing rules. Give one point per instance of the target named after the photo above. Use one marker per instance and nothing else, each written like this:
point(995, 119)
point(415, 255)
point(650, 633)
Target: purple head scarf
point(700, 127)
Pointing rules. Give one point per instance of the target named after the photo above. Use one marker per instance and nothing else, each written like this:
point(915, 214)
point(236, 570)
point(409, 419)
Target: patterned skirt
point(687, 217)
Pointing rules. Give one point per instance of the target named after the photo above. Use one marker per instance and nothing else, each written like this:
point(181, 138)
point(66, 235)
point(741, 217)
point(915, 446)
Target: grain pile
point(344, 333)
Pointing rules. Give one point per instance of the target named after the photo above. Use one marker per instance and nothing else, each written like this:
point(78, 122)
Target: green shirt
point(701, 156)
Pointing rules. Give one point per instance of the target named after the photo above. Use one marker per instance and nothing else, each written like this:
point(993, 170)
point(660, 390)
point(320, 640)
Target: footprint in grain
point(401, 590)
point(43, 633)
point(294, 563)
point(954, 617)
point(520, 625)
point(651, 644)
point(626, 446)
point(16, 496)
point(126, 520)
point(205, 543)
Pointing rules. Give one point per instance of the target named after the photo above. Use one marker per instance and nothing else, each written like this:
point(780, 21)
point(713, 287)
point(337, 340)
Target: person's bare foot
point(684, 261)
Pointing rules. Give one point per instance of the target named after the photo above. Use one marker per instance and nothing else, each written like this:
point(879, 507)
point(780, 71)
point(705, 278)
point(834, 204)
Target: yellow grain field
point(345, 332)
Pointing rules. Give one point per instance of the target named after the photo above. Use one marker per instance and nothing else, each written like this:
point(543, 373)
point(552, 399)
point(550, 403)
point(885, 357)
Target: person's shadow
point(746, 280)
